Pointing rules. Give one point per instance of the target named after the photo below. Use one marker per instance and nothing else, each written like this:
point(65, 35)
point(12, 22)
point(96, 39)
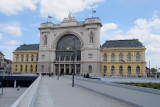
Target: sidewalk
point(59, 93)
point(10, 96)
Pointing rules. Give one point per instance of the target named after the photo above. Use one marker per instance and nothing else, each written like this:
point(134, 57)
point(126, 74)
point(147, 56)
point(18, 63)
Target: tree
point(153, 70)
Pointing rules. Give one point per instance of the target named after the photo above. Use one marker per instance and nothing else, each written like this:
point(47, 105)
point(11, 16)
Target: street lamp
point(74, 54)
point(1, 83)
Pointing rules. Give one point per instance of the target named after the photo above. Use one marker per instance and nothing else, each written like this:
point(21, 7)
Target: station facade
point(58, 42)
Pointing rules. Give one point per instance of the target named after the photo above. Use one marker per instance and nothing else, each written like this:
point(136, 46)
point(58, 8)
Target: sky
point(121, 19)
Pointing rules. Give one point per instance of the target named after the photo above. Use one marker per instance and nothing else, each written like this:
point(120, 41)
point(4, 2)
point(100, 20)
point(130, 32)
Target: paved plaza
point(10, 96)
point(59, 93)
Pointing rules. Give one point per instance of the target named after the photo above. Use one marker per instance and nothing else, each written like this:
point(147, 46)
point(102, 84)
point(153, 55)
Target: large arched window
point(137, 56)
point(105, 70)
point(66, 45)
point(129, 70)
point(27, 58)
point(32, 58)
point(90, 69)
point(113, 57)
point(120, 57)
point(31, 68)
point(120, 70)
point(129, 56)
point(137, 70)
point(26, 68)
point(105, 57)
point(17, 58)
point(16, 67)
point(21, 68)
point(112, 70)
point(22, 58)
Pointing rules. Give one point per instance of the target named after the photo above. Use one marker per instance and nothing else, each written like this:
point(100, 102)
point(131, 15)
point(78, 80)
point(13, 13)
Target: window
point(21, 68)
point(36, 69)
point(32, 58)
point(17, 58)
point(120, 70)
point(129, 70)
point(22, 58)
point(129, 56)
point(120, 57)
point(90, 69)
point(37, 58)
point(137, 56)
point(16, 67)
point(112, 70)
point(105, 70)
point(113, 57)
point(66, 45)
point(26, 68)
point(31, 68)
point(137, 70)
point(27, 58)
point(105, 57)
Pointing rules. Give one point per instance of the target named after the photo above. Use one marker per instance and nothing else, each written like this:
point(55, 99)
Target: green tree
point(153, 70)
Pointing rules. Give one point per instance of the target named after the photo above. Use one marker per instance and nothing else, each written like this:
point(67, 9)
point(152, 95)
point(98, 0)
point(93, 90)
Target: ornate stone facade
point(73, 34)
point(58, 42)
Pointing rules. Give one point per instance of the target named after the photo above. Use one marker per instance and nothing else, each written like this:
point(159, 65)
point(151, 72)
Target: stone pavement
point(59, 93)
point(10, 95)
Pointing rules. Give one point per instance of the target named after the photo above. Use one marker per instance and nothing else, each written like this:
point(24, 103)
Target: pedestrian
point(18, 88)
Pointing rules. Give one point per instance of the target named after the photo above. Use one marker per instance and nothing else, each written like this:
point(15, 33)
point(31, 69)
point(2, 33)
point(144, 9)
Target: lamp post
point(2, 85)
point(74, 53)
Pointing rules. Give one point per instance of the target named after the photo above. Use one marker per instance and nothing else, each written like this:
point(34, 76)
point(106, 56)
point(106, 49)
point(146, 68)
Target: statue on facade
point(91, 37)
point(70, 18)
point(45, 40)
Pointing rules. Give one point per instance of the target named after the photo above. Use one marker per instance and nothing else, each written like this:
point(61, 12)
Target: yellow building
point(25, 59)
point(123, 57)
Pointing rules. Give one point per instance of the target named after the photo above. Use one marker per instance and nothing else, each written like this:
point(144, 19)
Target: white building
point(5, 64)
point(57, 42)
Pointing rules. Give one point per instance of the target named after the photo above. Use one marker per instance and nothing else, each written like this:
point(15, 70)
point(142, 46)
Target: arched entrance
point(64, 54)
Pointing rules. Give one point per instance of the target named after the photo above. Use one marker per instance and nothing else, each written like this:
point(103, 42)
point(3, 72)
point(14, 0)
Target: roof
point(8, 61)
point(122, 43)
point(1, 53)
point(26, 47)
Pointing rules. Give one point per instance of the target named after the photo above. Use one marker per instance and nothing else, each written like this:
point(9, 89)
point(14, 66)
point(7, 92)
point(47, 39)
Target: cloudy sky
point(121, 19)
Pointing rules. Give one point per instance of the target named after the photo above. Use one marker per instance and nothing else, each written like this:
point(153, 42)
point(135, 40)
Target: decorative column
point(15, 82)
point(69, 68)
point(64, 69)
point(75, 68)
point(81, 68)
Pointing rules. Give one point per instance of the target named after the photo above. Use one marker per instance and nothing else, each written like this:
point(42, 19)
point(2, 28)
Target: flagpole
point(92, 12)
point(47, 18)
